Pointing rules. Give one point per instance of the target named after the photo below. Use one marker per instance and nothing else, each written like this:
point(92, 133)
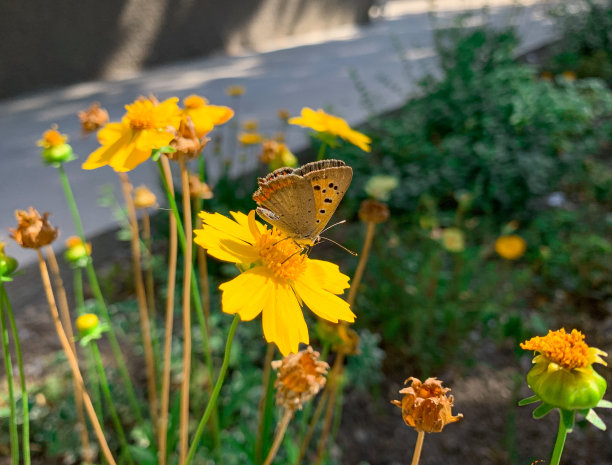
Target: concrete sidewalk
point(307, 71)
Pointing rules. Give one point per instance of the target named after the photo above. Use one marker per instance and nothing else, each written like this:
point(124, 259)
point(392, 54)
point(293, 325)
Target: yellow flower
point(510, 247)
point(563, 375)
point(52, 138)
point(204, 116)
point(145, 126)
point(453, 240)
point(322, 122)
point(87, 322)
point(235, 91)
point(249, 138)
point(276, 279)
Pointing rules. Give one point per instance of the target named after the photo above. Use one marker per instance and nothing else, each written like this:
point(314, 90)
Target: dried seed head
point(425, 406)
point(199, 189)
point(300, 377)
point(187, 142)
point(93, 118)
point(33, 231)
point(373, 211)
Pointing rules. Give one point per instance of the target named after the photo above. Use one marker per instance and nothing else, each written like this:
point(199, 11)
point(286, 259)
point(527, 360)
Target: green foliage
point(488, 127)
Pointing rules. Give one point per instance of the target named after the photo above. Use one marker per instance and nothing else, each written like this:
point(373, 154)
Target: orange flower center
point(568, 350)
point(140, 115)
point(281, 255)
point(53, 138)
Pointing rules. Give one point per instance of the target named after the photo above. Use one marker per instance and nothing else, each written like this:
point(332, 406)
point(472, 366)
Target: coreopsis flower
point(380, 186)
point(8, 265)
point(93, 118)
point(77, 252)
point(199, 189)
point(146, 126)
point(453, 240)
point(204, 116)
point(425, 406)
point(300, 377)
point(55, 147)
point(563, 374)
point(33, 231)
point(276, 155)
point(322, 122)
point(249, 138)
point(276, 279)
point(373, 211)
point(144, 198)
point(235, 91)
point(250, 125)
point(510, 247)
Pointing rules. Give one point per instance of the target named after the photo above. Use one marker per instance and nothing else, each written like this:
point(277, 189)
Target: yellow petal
point(283, 320)
point(224, 247)
point(227, 226)
point(150, 139)
point(323, 303)
point(106, 153)
point(326, 275)
point(248, 293)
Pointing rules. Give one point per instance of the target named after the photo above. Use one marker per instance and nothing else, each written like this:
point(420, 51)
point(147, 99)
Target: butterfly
point(301, 201)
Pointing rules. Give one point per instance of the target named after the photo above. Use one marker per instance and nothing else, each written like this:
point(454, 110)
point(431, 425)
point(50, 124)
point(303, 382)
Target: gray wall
point(54, 42)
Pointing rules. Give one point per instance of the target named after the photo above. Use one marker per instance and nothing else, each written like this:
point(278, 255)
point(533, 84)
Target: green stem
point(321, 154)
point(215, 394)
point(560, 442)
point(97, 292)
point(22, 380)
point(109, 400)
point(8, 365)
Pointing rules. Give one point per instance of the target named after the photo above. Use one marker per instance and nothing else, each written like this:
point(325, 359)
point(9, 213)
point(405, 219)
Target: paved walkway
point(306, 71)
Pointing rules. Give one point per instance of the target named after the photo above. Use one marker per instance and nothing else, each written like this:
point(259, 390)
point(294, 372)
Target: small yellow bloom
point(453, 240)
point(250, 125)
point(569, 76)
point(55, 150)
point(204, 116)
point(563, 374)
point(235, 91)
point(144, 198)
point(87, 322)
point(510, 247)
point(146, 126)
point(320, 121)
point(249, 138)
point(52, 138)
point(277, 278)
point(77, 253)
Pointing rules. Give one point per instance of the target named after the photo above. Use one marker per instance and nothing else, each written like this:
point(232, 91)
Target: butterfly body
point(300, 202)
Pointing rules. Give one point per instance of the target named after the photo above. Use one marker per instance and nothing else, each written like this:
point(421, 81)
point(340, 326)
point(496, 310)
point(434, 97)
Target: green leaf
point(542, 410)
point(529, 400)
point(604, 404)
point(594, 419)
point(143, 456)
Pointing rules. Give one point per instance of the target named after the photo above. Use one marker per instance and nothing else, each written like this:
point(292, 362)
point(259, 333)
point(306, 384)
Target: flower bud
point(87, 323)
point(77, 253)
point(55, 149)
point(7, 264)
point(144, 198)
point(563, 375)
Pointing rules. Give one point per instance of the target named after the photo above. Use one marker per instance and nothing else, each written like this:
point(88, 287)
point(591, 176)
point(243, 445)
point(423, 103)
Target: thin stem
point(334, 384)
point(61, 334)
point(280, 434)
point(195, 294)
point(165, 390)
point(145, 327)
point(187, 268)
point(263, 402)
point(215, 394)
point(109, 401)
point(150, 283)
point(416, 456)
point(321, 154)
point(559, 442)
point(363, 259)
point(312, 425)
point(67, 323)
point(22, 380)
point(8, 366)
point(97, 292)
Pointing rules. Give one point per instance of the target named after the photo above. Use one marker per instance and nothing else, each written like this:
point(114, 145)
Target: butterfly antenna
point(354, 254)
point(333, 225)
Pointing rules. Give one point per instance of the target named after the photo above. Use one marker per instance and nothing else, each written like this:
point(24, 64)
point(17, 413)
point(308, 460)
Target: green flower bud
point(7, 264)
point(55, 149)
